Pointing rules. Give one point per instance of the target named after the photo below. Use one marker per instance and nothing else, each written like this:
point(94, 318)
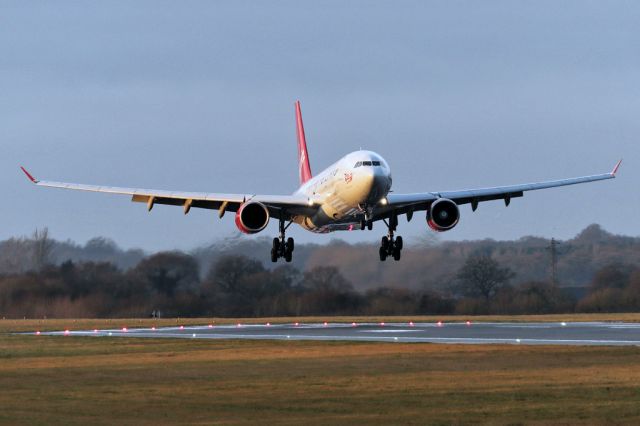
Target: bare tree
point(482, 275)
point(42, 246)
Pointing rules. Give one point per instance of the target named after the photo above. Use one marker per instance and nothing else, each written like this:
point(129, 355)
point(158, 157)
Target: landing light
point(384, 201)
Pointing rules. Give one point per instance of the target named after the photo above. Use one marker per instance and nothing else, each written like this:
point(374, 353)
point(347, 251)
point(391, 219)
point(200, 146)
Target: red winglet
point(31, 178)
point(615, 169)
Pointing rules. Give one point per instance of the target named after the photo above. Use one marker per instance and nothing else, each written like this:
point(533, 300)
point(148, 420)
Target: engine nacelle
point(443, 215)
point(252, 217)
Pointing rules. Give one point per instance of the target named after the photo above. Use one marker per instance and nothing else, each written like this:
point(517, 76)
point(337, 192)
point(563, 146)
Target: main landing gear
point(390, 245)
point(282, 247)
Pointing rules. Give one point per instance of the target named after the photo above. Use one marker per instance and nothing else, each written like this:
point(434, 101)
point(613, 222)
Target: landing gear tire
point(399, 244)
point(369, 225)
point(274, 255)
point(290, 244)
point(383, 254)
point(396, 253)
point(384, 244)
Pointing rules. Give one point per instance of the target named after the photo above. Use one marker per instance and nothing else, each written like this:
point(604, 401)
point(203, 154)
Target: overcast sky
point(199, 96)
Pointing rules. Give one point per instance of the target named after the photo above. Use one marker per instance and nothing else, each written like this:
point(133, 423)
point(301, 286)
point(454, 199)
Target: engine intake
point(252, 217)
point(443, 215)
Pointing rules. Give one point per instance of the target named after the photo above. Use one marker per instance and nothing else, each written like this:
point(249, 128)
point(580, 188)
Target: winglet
point(615, 169)
point(31, 178)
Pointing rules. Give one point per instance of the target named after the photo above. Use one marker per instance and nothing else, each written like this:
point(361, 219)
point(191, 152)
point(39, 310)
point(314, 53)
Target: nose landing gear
point(282, 247)
point(390, 245)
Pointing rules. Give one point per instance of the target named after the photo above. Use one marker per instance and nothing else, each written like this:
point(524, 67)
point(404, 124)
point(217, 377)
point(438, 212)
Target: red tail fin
point(303, 156)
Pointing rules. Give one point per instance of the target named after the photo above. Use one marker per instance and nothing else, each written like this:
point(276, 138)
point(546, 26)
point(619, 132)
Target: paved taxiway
point(573, 333)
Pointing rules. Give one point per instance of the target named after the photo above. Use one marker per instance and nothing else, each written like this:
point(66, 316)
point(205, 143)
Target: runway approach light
point(66, 332)
point(468, 322)
point(439, 323)
point(411, 324)
point(325, 324)
point(182, 327)
point(239, 325)
point(297, 324)
point(382, 324)
point(268, 324)
point(124, 329)
point(95, 330)
point(37, 333)
point(193, 335)
point(353, 324)
point(564, 324)
point(153, 329)
point(210, 325)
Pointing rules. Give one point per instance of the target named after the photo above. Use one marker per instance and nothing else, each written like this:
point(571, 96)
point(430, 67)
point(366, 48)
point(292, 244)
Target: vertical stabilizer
point(303, 156)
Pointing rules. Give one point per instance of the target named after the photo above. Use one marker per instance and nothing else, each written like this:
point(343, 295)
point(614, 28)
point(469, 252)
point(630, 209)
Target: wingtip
point(31, 178)
point(615, 169)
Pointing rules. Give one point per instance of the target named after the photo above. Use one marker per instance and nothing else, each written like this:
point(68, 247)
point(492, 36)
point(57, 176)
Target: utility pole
point(554, 261)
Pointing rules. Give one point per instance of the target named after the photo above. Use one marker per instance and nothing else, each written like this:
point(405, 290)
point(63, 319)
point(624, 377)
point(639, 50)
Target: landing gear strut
point(282, 247)
point(390, 245)
point(366, 221)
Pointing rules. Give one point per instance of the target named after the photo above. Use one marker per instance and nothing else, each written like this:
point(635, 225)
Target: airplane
point(351, 194)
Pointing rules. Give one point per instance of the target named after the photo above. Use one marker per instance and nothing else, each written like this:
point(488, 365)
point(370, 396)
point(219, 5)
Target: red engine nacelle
point(443, 215)
point(252, 217)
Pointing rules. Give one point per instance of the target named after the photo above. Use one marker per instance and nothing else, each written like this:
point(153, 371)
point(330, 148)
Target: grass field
point(76, 380)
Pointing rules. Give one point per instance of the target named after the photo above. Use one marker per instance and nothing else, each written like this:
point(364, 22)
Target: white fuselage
point(345, 190)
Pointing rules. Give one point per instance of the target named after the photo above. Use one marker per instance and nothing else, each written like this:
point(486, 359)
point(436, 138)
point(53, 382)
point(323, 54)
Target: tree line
point(172, 284)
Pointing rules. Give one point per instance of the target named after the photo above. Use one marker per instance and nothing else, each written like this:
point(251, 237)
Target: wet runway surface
point(572, 333)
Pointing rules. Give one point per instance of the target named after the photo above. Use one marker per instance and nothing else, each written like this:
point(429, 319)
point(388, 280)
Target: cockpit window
point(366, 163)
point(358, 164)
point(376, 163)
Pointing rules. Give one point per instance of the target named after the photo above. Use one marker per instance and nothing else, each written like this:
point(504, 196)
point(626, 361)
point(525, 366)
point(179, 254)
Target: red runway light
point(239, 325)
point(382, 324)
point(297, 324)
point(325, 324)
point(210, 325)
point(182, 327)
point(95, 330)
point(268, 324)
point(439, 323)
point(468, 322)
point(124, 329)
point(37, 333)
point(411, 323)
point(153, 329)
point(66, 332)
point(353, 324)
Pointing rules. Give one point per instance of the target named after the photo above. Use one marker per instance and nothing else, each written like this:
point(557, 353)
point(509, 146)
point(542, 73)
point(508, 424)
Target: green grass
point(85, 380)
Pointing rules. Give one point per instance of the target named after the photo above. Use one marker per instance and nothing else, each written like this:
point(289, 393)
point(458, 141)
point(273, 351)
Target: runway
point(572, 333)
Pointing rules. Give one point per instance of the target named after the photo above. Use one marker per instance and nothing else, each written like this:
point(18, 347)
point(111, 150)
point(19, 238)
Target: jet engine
point(443, 215)
point(252, 217)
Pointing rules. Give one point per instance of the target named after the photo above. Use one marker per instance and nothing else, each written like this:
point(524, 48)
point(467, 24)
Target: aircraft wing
point(404, 203)
point(291, 205)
